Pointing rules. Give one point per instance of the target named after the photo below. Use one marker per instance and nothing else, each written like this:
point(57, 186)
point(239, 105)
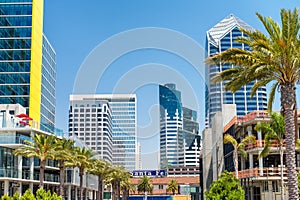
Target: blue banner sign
point(150, 173)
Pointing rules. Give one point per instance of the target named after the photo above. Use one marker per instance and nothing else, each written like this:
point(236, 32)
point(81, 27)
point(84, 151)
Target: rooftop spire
point(224, 26)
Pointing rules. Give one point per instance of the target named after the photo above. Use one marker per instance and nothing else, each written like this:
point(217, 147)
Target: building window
point(160, 187)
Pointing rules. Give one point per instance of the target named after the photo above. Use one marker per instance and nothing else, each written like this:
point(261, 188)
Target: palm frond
point(229, 139)
point(249, 139)
point(243, 153)
point(265, 152)
point(272, 96)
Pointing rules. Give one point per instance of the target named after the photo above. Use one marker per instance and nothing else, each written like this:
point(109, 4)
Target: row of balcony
point(263, 172)
point(25, 174)
point(261, 144)
point(259, 114)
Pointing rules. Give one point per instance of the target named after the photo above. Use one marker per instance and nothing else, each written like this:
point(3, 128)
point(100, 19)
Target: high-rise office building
point(171, 141)
point(179, 139)
point(191, 137)
point(27, 61)
point(218, 39)
point(91, 121)
point(124, 126)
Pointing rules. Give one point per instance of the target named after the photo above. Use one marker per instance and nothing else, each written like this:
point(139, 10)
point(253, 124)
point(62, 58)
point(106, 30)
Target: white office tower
point(91, 121)
point(124, 125)
point(138, 157)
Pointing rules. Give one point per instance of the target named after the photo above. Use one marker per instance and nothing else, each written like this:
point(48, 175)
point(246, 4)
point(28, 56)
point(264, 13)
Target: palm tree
point(41, 148)
point(63, 152)
point(126, 187)
point(274, 58)
point(273, 131)
point(82, 158)
point(145, 186)
point(117, 175)
point(238, 148)
point(172, 186)
point(102, 169)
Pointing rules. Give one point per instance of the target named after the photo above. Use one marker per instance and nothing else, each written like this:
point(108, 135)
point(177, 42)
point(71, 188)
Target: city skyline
point(64, 26)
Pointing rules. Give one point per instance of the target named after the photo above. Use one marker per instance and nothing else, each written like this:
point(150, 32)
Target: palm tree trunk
point(281, 170)
point(118, 190)
point(61, 177)
point(42, 173)
point(236, 162)
point(81, 171)
point(100, 187)
point(287, 91)
point(113, 196)
point(125, 194)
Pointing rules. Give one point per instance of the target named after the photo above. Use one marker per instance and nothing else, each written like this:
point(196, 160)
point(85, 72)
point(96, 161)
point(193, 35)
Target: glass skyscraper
point(171, 141)
point(179, 139)
point(218, 39)
point(27, 61)
point(124, 126)
point(191, 137)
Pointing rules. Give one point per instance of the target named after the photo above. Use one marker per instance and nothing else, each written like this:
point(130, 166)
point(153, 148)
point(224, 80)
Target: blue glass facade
point(220, 38)
point(170, 99)
point(15, 44)
point(48, 87)
point(124, 132)
point(15, 62)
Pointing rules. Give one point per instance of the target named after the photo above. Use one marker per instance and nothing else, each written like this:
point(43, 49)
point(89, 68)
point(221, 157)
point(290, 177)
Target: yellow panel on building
point(36, 60)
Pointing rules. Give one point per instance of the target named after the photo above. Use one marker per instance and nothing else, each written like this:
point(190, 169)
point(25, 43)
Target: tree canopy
point(226, 187)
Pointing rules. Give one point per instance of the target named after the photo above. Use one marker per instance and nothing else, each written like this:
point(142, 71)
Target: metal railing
point(259, 114)
point(263, 172)
point(261, 144)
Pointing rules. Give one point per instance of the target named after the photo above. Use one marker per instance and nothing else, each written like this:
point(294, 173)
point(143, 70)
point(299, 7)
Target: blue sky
point(76, 27)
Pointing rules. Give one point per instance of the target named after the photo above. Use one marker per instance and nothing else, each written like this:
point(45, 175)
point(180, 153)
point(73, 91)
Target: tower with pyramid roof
point(218, 39)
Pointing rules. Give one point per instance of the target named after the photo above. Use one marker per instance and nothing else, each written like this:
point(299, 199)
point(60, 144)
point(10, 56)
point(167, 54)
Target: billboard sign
point(150, 173)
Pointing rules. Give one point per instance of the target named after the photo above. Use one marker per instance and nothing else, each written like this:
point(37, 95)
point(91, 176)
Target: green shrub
point(41, 194)
point(28, 196)
point(6, 197)
point(226, 187)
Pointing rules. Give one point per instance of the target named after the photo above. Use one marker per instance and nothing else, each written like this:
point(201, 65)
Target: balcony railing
point(259, 114)
point(47, 177)
point(253, 115)
point(13, 173)
point(13, 139)
point(266, 172)
point(261, 143)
